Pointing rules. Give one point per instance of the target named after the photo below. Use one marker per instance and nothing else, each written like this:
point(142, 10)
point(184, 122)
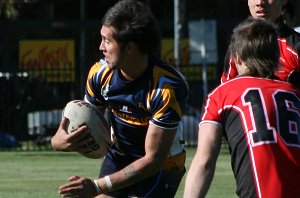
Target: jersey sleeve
point(94, 84)
point(212, 110)
point(167, 100)
point(289, 45)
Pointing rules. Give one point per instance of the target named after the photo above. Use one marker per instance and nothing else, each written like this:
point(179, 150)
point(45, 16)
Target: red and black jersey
point(261, 121)
point(289, 44)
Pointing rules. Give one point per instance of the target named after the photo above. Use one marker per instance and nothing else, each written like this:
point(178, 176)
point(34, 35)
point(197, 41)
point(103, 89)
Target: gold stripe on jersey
point(93, 70)
point(169, 101)
point(165, 91)
point(105, 74)
point(132, 119)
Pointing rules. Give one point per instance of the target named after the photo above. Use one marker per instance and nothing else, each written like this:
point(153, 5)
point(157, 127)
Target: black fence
point(31, 109)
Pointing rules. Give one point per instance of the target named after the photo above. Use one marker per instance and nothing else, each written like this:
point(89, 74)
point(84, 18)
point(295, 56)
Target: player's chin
point(262, 17)
point(112, 66)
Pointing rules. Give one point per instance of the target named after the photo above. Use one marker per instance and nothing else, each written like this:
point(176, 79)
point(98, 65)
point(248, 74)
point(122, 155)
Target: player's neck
point(135, 67)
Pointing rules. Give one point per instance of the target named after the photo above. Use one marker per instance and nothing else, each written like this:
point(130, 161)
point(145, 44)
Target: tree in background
point(8, 9)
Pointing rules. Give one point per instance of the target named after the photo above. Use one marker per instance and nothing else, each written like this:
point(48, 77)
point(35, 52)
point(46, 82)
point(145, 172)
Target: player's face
point(110, 47)
point(265, 9)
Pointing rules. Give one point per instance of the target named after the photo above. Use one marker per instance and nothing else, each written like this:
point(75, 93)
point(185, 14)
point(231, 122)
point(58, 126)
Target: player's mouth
point(106, 59)
point(261, 13)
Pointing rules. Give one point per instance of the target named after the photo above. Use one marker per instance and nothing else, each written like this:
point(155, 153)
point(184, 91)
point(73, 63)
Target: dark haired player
point(289, 42)
point(146, 98)
point(260, 120)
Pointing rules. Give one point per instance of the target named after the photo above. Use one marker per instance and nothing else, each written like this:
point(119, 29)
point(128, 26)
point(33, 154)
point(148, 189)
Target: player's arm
point(157, 146)
point(202, 169)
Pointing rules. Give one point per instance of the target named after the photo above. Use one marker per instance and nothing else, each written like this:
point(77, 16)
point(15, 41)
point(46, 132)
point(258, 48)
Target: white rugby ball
point(81, 113)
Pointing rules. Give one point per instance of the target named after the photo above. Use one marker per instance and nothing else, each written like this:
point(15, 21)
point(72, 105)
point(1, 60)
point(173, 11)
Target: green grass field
point(38, 174)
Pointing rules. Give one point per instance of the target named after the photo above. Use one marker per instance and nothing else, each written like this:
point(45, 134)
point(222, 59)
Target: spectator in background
point(260, 120)
point(289, 42)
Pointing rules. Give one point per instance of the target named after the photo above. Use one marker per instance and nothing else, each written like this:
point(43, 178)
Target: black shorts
point(163, 184)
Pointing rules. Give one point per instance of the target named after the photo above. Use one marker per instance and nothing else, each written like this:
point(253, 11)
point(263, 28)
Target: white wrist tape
point(108, 182)
point(98, 189)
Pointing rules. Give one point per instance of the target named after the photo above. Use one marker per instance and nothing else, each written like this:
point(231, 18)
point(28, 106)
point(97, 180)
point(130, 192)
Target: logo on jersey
point(125, 109)
point(104, 91)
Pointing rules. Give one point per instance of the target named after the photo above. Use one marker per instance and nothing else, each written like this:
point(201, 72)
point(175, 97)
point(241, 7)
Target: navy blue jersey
point(158, 97)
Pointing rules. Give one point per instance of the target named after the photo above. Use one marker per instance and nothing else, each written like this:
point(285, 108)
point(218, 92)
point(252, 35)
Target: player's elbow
point(153, 163)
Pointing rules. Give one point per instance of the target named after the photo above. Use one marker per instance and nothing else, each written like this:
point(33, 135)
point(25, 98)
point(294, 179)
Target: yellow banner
point(191, 72)
point(52, 60)
point(167, 52)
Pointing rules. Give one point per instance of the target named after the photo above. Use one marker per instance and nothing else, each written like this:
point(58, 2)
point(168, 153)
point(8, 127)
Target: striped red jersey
point(261, 121)
point(289, 45)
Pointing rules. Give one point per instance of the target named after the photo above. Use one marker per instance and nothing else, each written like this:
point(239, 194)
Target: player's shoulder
point(295, 36)
point(101, 64)
point(99, 67)
point(233, 89)
point(163, 69)
point(291, 36)
point(244, 82)
point(165, 74)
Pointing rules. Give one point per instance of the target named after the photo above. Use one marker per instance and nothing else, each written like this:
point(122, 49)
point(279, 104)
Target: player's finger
point(79, 133)
point(69, 192)
point(64, 122)
point(74, 178)
point(69, 186)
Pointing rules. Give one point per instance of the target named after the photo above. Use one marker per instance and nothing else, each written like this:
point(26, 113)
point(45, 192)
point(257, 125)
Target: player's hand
point(75, 141)
point(80, 187)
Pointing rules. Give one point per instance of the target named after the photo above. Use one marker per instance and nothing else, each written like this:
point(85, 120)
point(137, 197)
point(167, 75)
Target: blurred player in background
point(288, 14)
point(260, 120)
point(146, 98)
point(289, 42)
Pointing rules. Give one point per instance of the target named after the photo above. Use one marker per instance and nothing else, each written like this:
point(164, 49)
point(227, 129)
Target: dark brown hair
point(132, 20)
point(255, 41)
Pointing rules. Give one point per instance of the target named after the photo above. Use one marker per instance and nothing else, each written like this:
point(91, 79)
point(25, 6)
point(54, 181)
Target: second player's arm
point(202, 169)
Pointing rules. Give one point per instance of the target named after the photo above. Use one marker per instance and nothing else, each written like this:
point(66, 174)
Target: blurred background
point(48, 46)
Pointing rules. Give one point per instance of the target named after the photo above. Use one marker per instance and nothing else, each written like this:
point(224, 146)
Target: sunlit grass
point(38, 174)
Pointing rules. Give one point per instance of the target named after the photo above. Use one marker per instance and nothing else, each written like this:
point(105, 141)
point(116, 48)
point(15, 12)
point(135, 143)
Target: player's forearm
point(198, 180)
point(131, 174)
point(202, 169)
point(157, 147)
point(137, 171)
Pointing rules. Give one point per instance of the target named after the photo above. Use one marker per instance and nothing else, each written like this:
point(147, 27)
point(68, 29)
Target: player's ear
point(129, 47)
